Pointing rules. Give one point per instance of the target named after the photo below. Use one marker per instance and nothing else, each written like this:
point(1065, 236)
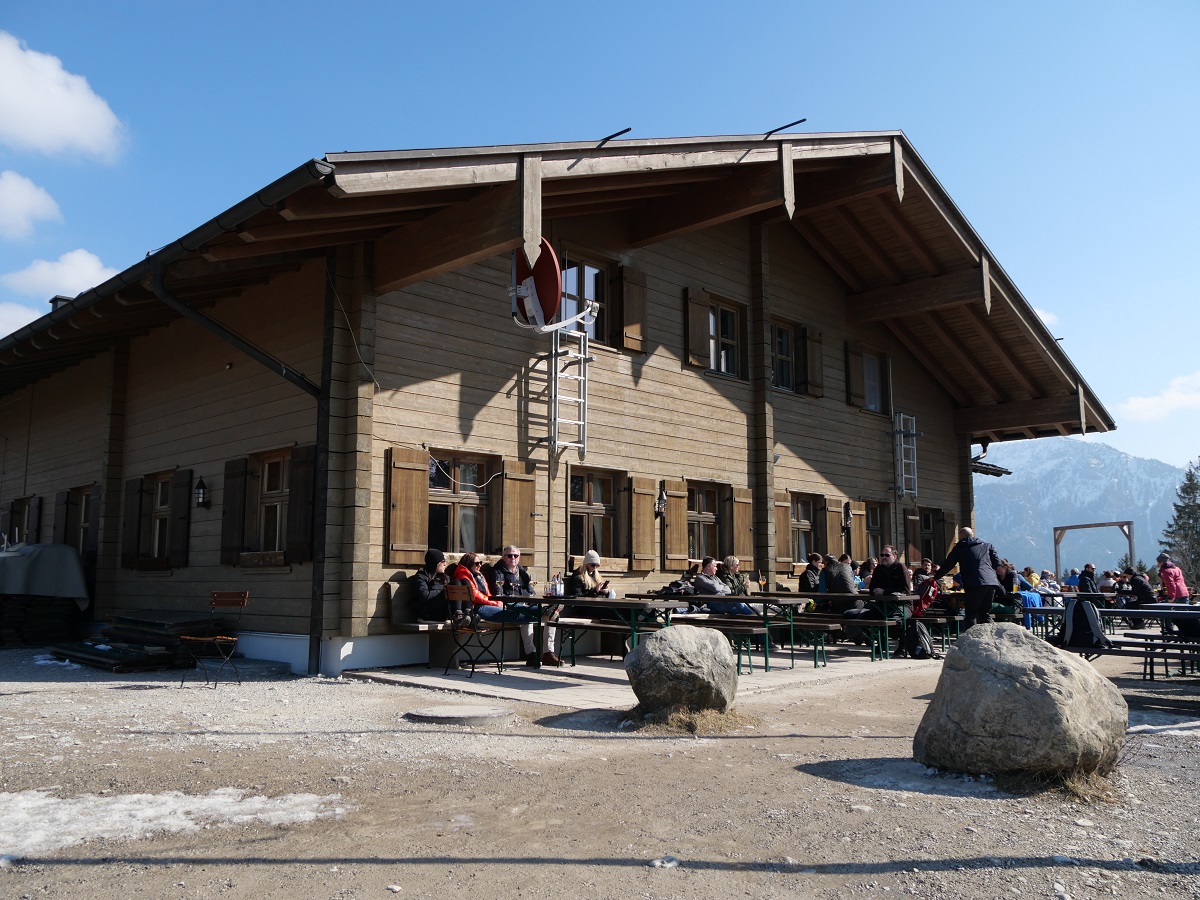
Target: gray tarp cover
point(43, 570)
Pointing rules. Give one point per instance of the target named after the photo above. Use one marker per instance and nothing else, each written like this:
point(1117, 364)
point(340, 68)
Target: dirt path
point(106, 790)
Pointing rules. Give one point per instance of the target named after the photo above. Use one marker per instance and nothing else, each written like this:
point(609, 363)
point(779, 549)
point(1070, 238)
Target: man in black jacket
point(810, 578)
point(429, 589)
point(1087, 581)
point(977, 561)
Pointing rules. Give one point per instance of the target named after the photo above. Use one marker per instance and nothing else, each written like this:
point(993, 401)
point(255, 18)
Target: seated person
point(891, 576)
point(829, 561)
point(864, 571)
point(1047, 583)
point(429, 591)
point(511, 579)
point(839, 578)
point(1031, 576)
point(586, 581)
point(810, 578)
point(707, 583)
point(923, 574)
point(730, 573)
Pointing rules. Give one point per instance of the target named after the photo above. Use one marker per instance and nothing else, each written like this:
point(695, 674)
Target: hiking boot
point(551, 659)
point(531, 659)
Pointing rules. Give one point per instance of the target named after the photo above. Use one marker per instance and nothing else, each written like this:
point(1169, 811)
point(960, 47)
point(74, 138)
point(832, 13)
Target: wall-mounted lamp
point(202, 499)
point(660, 504)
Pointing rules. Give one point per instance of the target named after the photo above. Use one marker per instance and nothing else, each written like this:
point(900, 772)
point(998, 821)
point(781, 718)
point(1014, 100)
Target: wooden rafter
point(929, 362)
point(451, 238)
point(870, 178)
point(935, 325)
point(318, 203)
point(824, 249)
point(742, 194)
point(985, 331)
point(223, 252)
point(287, 230)
point(867, 243)
point(890, 213)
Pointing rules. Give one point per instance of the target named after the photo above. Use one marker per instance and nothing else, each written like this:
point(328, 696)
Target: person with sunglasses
point(511, 579)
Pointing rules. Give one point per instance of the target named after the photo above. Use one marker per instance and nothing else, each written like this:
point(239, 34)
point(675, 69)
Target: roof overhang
point(865, 202)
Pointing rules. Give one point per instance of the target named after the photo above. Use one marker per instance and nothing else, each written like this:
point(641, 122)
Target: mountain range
point(1067, 481)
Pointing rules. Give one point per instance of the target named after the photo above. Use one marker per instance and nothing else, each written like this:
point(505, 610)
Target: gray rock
point(683, 666)
point(1009, 702)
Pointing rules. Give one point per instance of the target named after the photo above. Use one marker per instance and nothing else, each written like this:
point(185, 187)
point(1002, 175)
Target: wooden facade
point(768, 308)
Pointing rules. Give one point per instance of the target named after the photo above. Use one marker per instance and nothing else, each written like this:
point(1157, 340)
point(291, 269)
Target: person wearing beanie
point(429, 590)
point(1171, 577)
point(586, 580)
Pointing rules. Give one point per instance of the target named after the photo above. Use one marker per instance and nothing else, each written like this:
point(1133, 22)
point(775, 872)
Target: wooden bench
point(739, 630)
point(569, 628)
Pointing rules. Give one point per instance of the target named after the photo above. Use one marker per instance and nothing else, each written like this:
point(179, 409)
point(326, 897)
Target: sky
point(1065, 132)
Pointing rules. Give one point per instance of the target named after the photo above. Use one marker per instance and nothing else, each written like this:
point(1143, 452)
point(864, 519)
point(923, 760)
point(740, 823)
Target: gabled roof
point(865, 202)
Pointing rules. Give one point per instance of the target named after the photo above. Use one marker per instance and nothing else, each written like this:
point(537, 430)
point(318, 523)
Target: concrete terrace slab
point(600, 683)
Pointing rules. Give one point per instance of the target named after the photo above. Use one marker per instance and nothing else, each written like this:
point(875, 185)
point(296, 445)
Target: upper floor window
point(716, 334)
point(784, 368)
point(866, 378)
point(593, 513)
point(586, 281)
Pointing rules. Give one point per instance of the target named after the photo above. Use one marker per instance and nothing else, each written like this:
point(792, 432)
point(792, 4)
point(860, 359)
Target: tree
point(1126, 562)
point(1181, 538)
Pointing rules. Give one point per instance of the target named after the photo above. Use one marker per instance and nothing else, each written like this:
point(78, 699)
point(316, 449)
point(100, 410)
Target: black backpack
point(1081, 628)
point(917, 643)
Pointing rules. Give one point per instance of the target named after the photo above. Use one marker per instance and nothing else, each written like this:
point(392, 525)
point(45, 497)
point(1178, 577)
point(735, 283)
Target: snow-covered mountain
point(1067, 481)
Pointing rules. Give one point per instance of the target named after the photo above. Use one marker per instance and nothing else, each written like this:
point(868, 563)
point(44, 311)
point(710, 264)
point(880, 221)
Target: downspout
point(320, 516)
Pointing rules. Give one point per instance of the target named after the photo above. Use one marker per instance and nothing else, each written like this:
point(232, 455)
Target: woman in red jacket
point(469, 572)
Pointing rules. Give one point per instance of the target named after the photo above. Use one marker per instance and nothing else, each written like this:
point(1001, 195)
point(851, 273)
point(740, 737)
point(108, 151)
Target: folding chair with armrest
point(215, 644)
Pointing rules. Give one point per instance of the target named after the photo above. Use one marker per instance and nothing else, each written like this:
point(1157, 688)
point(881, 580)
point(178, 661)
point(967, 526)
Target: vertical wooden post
point(762, 427)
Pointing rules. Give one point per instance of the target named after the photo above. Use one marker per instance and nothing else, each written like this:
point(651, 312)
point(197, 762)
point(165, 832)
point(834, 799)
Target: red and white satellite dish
point(538, 289)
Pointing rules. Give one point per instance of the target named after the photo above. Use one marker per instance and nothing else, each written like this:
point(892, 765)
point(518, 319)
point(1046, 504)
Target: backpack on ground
point(1081, 628)
point(925, 597)
point(917, 643)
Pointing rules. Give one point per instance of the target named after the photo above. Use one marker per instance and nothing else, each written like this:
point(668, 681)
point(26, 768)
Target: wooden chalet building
point(799, 339)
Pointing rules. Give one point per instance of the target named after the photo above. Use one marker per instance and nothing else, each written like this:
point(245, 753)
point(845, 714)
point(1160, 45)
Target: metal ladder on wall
point(568, 390)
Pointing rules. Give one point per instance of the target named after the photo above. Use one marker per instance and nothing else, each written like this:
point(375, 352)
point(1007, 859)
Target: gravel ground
point(127, 786)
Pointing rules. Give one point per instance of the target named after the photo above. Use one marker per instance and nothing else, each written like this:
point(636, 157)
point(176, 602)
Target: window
point(266, 508)
point(804, 532)
point(932, 535)
point(874, 382)
point(160, 513)
point(15, 524)
point(866, 378)
point(716, 334)
point(81, 502)
point(587, 281)
point(457, 504)
point(784, 368)
point(876, 536)
point(703, 520)
point(593, 513)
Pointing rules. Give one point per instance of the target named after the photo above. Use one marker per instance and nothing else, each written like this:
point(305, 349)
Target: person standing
point(1171, 577)
point(977, 561)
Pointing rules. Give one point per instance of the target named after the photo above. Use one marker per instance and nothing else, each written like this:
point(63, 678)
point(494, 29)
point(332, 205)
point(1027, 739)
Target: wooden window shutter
point(35, 521)
point(855, 391)
point(912, 536)
point(814, 355)
point(91, 544)
point(300, 504)
point(233, 510)
point(642, 492)
point(858, 529)
point(835, 538)
point(743, 526)
point(698, 352)
point(131, 523)
point(517, 496)
point(407, 506)
point(783, 532)
point(62, 505)
point(633, 309)
point(949, 532)
point(675, 538)
point(181, 516)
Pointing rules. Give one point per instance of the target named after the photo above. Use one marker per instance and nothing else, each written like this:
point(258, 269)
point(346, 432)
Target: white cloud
point(1046, 316)
point(21, 204)
point(14, 315)
point(1182, 395)
point(71, 274)
point(45, 108)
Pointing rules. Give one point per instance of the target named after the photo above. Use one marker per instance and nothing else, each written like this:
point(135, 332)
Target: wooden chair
point(474, 641)
point(214, 644)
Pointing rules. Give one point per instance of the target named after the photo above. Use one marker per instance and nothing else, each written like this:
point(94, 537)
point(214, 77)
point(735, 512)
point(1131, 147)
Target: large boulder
point(1009, 702)
point(683, 666)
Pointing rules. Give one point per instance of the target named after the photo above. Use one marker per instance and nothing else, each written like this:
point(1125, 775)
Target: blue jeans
point(730, 609)
point(524, 615)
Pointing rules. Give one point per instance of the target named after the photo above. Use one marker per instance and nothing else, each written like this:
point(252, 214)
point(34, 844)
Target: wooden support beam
point(454, 237)
point(872, 177)
point(754, 190)
point(890, 213)
point(531, 208)
point(788, 173)
point(1046, 412)
point(224, 252)
point(930, 362)
point(922, 295)
point(935, 325)
point(968, 243)
point(869, 245)
point(829, 253)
